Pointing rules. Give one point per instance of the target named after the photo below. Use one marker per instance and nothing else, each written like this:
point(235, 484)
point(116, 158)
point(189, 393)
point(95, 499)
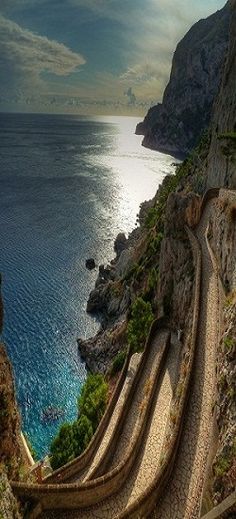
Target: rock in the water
point(90, 264)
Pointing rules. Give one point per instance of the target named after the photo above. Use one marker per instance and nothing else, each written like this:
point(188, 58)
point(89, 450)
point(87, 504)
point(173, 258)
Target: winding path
point(88, 470)
point(182, 497)
point(148, 461)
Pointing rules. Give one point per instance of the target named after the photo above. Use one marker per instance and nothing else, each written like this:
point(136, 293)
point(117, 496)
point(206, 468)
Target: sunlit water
point(68, 185)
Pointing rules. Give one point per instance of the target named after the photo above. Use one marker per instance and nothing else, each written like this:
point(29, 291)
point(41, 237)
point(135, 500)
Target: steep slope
point(10, 450)
point(175, 125)
point(222, 154)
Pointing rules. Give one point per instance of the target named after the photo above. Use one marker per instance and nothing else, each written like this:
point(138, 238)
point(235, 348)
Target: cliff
point(175, 125)
point(222, 153)
point(157, 263)
point(10, 444)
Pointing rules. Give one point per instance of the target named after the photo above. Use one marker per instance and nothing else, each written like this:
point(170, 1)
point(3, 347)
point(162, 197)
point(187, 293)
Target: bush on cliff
point(73, 438)
point(82, 432)
point(139, 324)
point(63, 447)
point(93, 399)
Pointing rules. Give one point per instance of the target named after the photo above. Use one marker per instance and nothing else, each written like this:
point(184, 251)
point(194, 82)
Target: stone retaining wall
point(228, 506)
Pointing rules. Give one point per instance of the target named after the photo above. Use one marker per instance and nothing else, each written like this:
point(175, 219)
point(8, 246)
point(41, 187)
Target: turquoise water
point(68, 186)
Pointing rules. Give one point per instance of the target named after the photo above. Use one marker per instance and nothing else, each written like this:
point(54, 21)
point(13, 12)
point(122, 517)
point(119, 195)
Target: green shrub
point(118, 362)
point(139, 324)
point(229, 343)
point(82, 432)
point(222, 465)
point(93, 399)
point(74, 437)
point(63, 446)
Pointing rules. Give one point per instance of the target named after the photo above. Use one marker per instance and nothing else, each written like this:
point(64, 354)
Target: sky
point(91, 56)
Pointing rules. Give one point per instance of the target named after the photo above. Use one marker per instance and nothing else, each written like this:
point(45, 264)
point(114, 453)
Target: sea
point(68, 185)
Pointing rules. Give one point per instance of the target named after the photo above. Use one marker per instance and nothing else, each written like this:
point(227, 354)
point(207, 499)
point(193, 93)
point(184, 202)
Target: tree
point(82, 432)
point(73, 438)
point(63, 446)
point(139, 324)
point(93, 399)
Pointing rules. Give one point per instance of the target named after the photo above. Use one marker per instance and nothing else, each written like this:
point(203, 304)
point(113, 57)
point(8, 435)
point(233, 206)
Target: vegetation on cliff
point(74, 437)
point(139, 324)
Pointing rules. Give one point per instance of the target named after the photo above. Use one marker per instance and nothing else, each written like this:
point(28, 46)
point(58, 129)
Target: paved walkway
point(183, 495)
point(85, 475)
point(148, 461)
point(140, 397)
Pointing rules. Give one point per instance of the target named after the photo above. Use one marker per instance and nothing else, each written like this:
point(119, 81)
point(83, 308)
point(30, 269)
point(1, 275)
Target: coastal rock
point(1, 307)
point(8, 503)
point(124, 262)
point(110, 300)
point(120, 243)
point(99, 351)
point(175, 125)
point(97, 298)
point(90, 264)
point(10, 442)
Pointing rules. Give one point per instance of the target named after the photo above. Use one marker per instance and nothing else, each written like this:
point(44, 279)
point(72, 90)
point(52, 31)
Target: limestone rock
point(120, 243)
point(221, 169)
point(10, 451)
point(174, 126)
point(99, 351)
point(8, 503)
point(182, 209)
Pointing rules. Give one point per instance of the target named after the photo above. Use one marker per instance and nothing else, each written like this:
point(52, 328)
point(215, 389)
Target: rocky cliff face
point(223, 242)
point(10, 452)
point(221, 169)
point(176, 125)
point(10, 449)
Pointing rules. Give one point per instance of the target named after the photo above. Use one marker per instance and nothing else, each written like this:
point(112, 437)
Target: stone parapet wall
point(228, 506)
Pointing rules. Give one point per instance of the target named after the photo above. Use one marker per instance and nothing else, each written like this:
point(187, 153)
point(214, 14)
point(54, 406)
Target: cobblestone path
point(148, 461)
point(133, 365)
point(182, 497)
point(129, 430)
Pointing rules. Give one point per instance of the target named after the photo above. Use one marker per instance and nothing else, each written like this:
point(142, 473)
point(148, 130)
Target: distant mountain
point(174, 126)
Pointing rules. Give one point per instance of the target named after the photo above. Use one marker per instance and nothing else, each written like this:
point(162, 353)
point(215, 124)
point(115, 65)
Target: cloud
point(26, 56)
point(15, 4)
point(130, 44)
